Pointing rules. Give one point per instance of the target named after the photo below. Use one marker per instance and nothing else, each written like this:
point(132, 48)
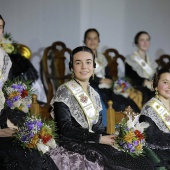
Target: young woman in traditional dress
point(83, 143)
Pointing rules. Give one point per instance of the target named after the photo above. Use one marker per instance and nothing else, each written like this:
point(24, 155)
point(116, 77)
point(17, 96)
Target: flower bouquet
point(130, 136)
point(18, 95)
point(32, 131)
point(36, 134)
point(122, 87)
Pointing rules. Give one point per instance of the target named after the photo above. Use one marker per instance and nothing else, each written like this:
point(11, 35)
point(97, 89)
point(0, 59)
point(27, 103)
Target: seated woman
point(83, 143)
point(138, 66)
point(157, 113)
point(102, 81)
point(12, 155)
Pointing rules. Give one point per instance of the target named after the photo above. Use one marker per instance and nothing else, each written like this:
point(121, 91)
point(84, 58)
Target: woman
point(83, 143)
point(157, 113)
point(12, 155)
point(138, 66)
point(102, 81)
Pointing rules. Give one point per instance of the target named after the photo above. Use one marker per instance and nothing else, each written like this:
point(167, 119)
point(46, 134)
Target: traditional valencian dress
point(12, 155)
point(138, 70)
point(158, 133)
point(79, 124)
point(106, 93)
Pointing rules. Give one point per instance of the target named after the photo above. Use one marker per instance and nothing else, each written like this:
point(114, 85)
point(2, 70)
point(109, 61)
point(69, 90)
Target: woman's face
point(83, 65)
point(143, 42)
point(1, 29)
point(92, 40)
point(164, 85)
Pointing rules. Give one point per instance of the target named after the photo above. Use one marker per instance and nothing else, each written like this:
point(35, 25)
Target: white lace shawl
point(64, 95)
point(148, 111)
point(5, 65)
point(137, 68)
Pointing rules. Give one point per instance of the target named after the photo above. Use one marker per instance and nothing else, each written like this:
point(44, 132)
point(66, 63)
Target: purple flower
point(31, 135)
point(14, 86)
point(39, 125)
point(9, 103)
point(24, 138)
point(30, 125)
point(135, 143)
point(14, 99)
point(129, 145)
point(132, 150)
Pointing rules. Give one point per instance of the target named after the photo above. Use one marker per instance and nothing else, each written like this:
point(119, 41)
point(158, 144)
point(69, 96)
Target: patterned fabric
point(150, 112)
point(136, 67)
point(64, 95)
point(70, 160)
point(5, 65)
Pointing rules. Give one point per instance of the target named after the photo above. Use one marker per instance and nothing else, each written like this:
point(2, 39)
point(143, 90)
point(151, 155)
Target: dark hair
point(136, 39)
point(79, 49)
point(91, 30)
point(157, 76)
point(3, 21)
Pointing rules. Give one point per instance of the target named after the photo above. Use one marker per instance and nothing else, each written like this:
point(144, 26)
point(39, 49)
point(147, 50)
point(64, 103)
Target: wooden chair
point(114, 118)
point(112, 57)
point(163, 61)
point(53, 73)
point(58, 45)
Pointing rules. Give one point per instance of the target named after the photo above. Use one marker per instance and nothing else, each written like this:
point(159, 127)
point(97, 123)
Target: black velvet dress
point(119, 102)
point(158, 142)
point(13, 156)
point(79, 140)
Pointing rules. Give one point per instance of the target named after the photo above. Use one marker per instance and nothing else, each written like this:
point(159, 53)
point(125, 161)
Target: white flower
point(142, 126)
point(51, 143)
point(17, 103)
point(135, 124)
point(24, 108)
point(42, 147)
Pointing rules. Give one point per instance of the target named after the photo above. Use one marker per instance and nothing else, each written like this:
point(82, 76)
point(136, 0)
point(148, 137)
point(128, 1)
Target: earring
point(156, 94)
point(72, 75)
point(93, 75)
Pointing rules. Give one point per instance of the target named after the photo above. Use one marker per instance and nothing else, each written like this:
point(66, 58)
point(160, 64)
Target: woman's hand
point(106, 81)
point(7, 132)
point(108, 139)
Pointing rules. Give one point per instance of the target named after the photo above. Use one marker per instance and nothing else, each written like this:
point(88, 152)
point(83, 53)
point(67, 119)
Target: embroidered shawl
point(148, 111)
point(136, 67)
point(64, 95)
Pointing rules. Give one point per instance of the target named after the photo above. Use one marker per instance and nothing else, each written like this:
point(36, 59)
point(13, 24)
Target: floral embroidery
point(83, 98)
point(167, 117)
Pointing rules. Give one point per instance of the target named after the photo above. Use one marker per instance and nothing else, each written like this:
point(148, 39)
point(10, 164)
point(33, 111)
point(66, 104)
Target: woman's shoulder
point(147, 107)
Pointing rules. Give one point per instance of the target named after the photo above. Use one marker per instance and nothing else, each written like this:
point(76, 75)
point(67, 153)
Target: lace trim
point(5, 65)
point(150, 112)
